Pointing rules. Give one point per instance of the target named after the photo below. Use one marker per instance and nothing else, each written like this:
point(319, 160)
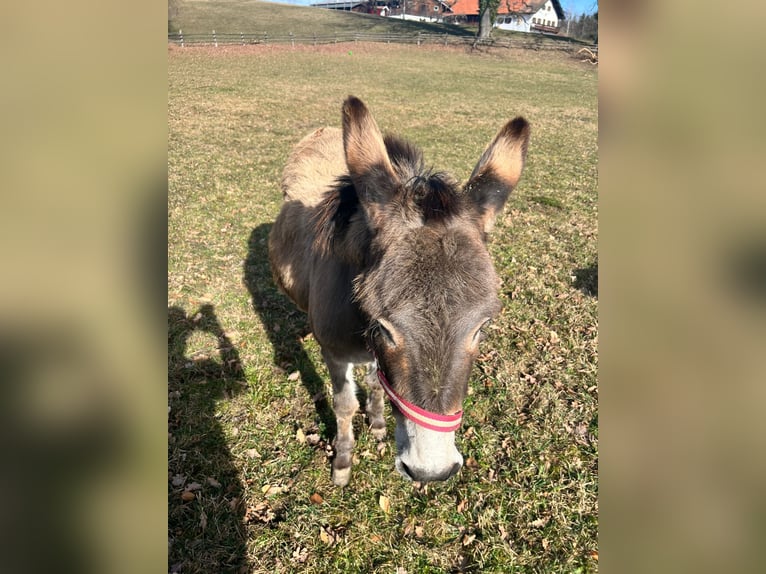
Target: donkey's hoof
point(341, 476)
point(379, 433)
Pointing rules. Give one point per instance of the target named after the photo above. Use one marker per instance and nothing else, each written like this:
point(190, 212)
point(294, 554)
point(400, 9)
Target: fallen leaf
point(554, 337)
point(471, 463)
point(313, 439)
point(546, 543)
point(376, 538)
point(384, 503)
point(252, 453)
point(261, 512)
point(187, 496)
point(461, 505)
point(294, 376)
point(203, 520)
point(194, 486)
point(419, 531)
point(178, 480)
point(593, 554)
point(272, 489)
point(409, 527)
point(468, 539)
point(316, 498)
point(213, 482)
point(503, 533)
point(540, 522)
point(300, 554)
point(381, 448)
point(325, 537)
point(300, 436)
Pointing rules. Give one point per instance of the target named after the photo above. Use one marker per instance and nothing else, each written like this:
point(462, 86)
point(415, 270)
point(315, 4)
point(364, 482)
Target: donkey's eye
point(480, 335)
point(382, 333)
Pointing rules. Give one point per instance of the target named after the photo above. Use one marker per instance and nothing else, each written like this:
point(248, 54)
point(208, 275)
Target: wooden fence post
point(265, 38)
point(215, 39)
point(292, 40)
point(242, 38)
point(181, 33)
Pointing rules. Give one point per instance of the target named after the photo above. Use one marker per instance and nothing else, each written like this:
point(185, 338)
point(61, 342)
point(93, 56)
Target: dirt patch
point(364, 48)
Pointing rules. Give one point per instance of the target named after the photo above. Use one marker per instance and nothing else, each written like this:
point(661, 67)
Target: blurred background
point(682, 271)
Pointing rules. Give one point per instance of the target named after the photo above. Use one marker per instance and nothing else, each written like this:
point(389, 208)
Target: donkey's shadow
point(285, 325)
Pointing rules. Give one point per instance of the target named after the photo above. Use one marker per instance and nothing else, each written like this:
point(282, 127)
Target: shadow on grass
point(206, 530)
point(285, 325)
point(586, 279)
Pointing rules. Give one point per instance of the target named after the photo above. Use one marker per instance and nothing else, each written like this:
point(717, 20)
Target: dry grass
point(247, 389)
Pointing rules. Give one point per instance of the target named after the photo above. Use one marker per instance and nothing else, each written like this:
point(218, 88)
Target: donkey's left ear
point(498, 171)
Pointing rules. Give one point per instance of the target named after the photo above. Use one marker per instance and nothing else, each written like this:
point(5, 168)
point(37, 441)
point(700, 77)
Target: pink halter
point(429, 420)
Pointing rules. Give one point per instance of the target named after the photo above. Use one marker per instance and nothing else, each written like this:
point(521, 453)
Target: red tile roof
point(471, 7)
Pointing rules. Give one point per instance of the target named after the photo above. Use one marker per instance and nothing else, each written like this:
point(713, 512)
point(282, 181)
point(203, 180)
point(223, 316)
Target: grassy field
point(249, 485)
point(253, 16)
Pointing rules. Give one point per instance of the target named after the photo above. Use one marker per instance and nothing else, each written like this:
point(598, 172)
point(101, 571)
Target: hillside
point(254, 16)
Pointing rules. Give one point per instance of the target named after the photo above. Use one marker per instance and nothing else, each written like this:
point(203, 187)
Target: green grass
point(255, 16)
point(527, 502)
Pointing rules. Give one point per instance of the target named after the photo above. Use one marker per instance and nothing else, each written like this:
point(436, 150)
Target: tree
point(487, 16)
point(583, 28)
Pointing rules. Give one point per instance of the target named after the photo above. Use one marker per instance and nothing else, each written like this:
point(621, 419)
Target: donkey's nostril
point(407, 471)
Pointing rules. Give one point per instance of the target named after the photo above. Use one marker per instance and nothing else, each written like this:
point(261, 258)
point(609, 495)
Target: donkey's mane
point(431, 194)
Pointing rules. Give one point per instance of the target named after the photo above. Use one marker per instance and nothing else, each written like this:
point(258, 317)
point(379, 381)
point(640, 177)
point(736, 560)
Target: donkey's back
point(312, 170)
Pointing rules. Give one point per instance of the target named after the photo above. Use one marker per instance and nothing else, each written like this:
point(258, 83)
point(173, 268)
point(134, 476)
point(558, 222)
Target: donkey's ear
point(498, 171)
point(366, 157)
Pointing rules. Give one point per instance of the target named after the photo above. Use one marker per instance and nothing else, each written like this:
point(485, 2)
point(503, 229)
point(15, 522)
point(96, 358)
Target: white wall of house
point(516, 22)
point(546, 16)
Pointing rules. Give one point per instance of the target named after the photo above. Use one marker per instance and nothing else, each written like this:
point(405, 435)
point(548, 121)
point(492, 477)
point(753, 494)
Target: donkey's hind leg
point(345, 405)
point(375, 400)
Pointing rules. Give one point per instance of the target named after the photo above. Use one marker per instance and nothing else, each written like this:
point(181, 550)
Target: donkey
point(389, 260)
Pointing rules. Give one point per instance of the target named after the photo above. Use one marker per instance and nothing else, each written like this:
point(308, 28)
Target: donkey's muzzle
point(421, 476)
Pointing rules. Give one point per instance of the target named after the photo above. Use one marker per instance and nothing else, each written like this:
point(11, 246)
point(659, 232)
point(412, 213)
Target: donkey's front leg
point(375, 400)
point(345, 405)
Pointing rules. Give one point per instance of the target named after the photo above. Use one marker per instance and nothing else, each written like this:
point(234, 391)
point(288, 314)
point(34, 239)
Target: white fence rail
point(535, 42)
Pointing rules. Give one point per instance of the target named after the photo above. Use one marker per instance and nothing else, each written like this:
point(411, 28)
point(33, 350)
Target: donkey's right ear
point(366, 157)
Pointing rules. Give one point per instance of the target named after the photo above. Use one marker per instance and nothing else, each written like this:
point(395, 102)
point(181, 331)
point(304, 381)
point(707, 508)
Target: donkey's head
point(429, 287)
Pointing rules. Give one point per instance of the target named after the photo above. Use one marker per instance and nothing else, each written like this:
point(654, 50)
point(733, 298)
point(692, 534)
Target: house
point(519, 15)
point(423, 10)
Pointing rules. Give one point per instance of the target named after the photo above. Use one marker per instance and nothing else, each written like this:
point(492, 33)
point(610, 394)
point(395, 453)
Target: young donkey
point(390, 263)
